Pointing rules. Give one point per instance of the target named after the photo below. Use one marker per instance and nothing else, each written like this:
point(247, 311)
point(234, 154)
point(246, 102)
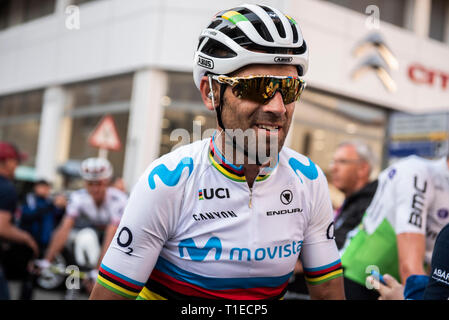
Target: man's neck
point(237, 157)
point(4, 174)
point(359, 186)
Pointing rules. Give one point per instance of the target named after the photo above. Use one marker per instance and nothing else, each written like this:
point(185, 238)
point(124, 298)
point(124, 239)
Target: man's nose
point(275, 105)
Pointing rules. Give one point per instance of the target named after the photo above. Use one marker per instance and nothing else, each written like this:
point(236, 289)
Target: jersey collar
point(230, 170)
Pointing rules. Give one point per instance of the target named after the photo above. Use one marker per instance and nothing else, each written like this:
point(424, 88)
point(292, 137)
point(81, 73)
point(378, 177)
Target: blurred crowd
point(50, 229)
point(42, 228)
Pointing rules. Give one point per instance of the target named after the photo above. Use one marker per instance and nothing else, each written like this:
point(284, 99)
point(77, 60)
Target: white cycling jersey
point(412, 197)
point(194, 229)
point(82, 207)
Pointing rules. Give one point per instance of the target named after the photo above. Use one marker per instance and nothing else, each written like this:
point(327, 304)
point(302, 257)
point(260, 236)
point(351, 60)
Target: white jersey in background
point(412, 197)
point(194, 229)
point(82, 207)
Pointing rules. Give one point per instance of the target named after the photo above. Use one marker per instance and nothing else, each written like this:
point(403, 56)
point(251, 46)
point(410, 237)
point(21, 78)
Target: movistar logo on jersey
point(309, 171)
point(199, 254)
point(237, 253)
point(170, 177)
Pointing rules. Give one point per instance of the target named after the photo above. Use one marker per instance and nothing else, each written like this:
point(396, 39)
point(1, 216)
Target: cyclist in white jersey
point(399, 228)
point(200, 224)
point(92, 213)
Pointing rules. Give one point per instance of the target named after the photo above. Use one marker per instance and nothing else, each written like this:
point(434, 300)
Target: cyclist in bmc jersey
point(398, 230)
point(199, 223)
point(92, 214)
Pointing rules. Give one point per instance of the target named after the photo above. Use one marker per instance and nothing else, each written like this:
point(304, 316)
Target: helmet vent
point(295, 32)
point(214, 24)
point(276, 20)
point(217, 49)
point(257, 23)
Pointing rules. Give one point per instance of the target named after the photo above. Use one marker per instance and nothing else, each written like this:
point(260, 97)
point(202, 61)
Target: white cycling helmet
point(95, 169)
point(249, 34)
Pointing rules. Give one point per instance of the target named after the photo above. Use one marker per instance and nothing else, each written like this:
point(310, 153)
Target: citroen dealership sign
point(378, 58)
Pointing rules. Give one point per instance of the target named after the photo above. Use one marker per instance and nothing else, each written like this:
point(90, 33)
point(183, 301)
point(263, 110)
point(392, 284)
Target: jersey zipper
point(250, 204)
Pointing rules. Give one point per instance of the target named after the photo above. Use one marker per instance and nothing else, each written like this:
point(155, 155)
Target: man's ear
point(365, 169)
point(206, 93)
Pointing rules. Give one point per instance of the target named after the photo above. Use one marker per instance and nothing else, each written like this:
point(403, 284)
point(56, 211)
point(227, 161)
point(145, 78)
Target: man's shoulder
point(190, 153)
point(6, 186)
point(413, 163)
point(78, 196)
point(116, 195)
point(300, 164)
point(170, 168)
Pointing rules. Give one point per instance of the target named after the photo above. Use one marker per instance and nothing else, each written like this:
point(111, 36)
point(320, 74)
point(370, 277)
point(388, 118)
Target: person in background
point(40, 215)
point(119, 183)
point(351, 168)
point(10, 157)
point(91, 220)
point(398, 231)
point(421, 287)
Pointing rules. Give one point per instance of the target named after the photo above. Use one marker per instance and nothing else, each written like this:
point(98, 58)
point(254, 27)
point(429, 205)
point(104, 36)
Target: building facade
point(64, 64)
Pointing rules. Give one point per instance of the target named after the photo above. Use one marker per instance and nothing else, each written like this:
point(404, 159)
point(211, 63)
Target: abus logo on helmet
point(283, 59)
point(206, 63)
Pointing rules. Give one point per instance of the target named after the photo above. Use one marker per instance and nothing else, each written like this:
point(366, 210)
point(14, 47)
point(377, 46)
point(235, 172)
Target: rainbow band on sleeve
point(325, 273)
point(119, 283)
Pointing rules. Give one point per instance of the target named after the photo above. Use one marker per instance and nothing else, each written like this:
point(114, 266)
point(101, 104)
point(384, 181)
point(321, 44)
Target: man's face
point(9, 167)
point(245, 114)
point(97, 189)
point(345, 168)
point(42, 190)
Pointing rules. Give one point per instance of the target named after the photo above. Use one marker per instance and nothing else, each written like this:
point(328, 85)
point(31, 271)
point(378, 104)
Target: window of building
point(98, 92)
point(14, 12)
point(91, 101)
point(4, 10)
point(438, 19)
point(390, 11)
point(78, 2)
point(82, 127)
point(322, 121)
point(20, 122)
point(184, 110)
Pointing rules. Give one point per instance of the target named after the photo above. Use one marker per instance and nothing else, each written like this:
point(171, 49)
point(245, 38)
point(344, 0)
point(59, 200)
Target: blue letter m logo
point(199, 254)
point(170, 177)
point(310, 171)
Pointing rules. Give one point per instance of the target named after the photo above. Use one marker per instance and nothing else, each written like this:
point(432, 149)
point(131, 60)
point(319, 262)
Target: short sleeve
point(119, 207)
point(148, 222)
point(73, 205)
point(320, 256)
point(413, 190)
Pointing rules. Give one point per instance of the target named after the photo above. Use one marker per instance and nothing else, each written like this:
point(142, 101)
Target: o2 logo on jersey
point(170, 177)
point(124, 239)
point(310, 171)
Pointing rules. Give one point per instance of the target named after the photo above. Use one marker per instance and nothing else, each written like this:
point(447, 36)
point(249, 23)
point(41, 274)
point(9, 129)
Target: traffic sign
point(105, 136)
